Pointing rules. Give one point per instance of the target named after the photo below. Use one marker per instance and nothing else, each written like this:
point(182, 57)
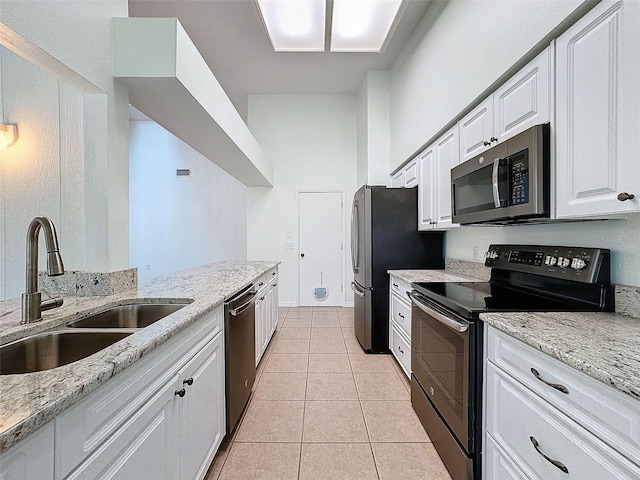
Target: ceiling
point(233, 41)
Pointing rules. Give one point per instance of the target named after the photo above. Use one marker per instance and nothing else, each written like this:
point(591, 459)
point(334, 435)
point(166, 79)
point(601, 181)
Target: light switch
point(289, 234)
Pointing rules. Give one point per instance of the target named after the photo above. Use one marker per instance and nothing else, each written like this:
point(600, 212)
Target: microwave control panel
point(519, 177)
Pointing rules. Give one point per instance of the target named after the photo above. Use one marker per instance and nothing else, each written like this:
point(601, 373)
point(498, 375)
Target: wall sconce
point(8, 135)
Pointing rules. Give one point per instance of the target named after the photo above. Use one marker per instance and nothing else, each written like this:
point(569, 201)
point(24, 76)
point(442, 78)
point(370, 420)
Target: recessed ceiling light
point(294, 25)
point(362, 25)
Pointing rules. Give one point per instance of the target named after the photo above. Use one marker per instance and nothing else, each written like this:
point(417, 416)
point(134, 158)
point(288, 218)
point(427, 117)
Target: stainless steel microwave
point(506, 184)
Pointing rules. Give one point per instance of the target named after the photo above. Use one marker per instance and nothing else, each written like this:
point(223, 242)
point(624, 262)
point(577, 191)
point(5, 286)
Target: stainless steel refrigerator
point(385, 236)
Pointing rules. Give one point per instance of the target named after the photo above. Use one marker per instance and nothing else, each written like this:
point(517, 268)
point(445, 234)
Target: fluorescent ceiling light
point(294, 25)
point(362, 25)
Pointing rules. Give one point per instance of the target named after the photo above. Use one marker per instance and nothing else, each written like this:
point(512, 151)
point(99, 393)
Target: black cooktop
point(472, 298)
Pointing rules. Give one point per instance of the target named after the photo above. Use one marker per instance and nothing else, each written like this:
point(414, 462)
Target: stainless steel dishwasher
point(240, 352)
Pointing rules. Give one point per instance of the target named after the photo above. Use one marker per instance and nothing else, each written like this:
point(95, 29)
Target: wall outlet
point(148, 267)
point(288, 246)
point(475, 253)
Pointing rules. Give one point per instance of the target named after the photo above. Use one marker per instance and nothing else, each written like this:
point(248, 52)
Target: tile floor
point(323, 409)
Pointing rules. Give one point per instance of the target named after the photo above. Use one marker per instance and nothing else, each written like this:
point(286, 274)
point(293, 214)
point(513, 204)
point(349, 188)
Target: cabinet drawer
point(401, 349)
point(85, 426)
point(498, 465)
point(604, 411)
point(401, 314)
point(519, 421)
point(397, 286)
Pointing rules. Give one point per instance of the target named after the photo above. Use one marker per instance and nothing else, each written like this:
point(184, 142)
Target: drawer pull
point(395, 285)
point(401, 316)
point(260, 284)
point(188, 381)
point(400, 350)
point(553, 462)
point(557, 386)
point(181, 393)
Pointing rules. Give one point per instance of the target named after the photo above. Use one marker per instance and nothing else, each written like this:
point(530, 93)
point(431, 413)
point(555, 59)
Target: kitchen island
point(29, 401)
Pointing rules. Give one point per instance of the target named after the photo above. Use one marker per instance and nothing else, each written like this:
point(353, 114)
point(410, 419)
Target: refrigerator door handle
point(354, 237)
point(356, 290)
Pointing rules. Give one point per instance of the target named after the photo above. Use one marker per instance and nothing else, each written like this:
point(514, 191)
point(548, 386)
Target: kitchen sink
point(137, 315)
point(53, 349)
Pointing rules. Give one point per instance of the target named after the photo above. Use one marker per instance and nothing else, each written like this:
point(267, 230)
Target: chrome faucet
point(32, 304)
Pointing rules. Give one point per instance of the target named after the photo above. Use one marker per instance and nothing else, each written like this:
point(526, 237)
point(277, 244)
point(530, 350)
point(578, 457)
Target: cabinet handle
point(260, 284)
point(493, 139)
point(401, 316)
point(275, 284)
point(261, 298)
point(181, 393)
point(553, 462)
point(400, 350)
point(624, 196)
point(486, 144)
point(188, 381)
point(557, 386)
point(273, 273)
point(395, 285)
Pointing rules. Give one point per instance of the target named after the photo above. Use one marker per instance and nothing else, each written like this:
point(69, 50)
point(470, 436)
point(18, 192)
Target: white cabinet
point(163, 417)
point(426, 190)
point(266, 311)
point(476, 130)
point(400, 323)
point(31, 459)
point(550, 421)
point(407, 176)
point(434, 188)
point(521, 102)
point(597, 105)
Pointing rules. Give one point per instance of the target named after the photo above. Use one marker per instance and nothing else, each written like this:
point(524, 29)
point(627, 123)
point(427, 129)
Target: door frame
point(342, 239)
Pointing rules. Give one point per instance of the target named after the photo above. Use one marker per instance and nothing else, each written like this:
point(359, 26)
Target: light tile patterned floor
point(323, 409)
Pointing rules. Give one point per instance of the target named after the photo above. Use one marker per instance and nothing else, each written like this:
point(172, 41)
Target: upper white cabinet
point(426, 188)
point(523, 101)
point(597, 119)
point(406, 177)
point(434, 187)
point(476, 130)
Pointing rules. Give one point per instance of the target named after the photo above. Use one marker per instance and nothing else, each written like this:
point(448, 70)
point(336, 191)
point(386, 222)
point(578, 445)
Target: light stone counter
point(28, 401)
point(605, 346)
point(411, 276)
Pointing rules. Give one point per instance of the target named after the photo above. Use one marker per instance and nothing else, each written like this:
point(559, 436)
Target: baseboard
point(287, 304)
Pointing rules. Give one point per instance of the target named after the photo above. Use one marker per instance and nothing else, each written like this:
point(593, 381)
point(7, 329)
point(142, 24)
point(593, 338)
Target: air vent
point(183, 172)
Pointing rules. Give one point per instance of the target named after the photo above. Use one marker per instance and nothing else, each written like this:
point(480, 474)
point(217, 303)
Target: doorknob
point(302, 255)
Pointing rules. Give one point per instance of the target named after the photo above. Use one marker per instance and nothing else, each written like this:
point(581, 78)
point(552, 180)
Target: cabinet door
point(260, 333)
point(397, 180)
point(146, 446)
point(447, 156)
point(32, 458)
point(426, 190)
point(476, 130)
point(202, 409)
point(524, 100)
point(597, 105)
point(411, 174)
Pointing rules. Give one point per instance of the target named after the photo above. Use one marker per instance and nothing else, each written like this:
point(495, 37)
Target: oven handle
point(449, 322)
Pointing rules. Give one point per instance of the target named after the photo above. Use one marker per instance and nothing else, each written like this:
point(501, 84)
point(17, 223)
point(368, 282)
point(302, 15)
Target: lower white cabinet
point(266, 311)
point(162, 418)
point(31, 458)
point(530, 434)
point(400, 323)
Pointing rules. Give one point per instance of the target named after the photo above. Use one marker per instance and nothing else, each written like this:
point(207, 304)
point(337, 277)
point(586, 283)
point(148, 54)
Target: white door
point(320, 253)
point(447, 155)
point(476, 130)
point(426, 196)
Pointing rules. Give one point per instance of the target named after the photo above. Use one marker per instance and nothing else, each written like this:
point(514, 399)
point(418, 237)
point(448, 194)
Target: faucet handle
point(53, 302)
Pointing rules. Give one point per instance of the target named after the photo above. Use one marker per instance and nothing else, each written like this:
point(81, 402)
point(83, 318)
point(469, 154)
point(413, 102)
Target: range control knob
point(492, 254)
point(551, 261)
point(563, 262)
point(578, 264)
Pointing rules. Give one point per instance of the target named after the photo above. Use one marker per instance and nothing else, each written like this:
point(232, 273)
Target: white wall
point(373, 129)
point(71, 159)
point(311, 141)
point(458, 51)
point(180, 222)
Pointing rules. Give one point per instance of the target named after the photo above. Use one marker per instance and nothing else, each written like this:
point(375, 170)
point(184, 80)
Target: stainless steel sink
point(53, 349)
point(137, 315)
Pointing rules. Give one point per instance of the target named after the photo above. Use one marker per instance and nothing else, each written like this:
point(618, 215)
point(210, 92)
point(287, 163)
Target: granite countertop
point(604, 346)
point(28, 401)
point(411, 276)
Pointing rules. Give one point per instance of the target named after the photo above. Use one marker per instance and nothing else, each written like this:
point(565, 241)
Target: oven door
point(444, 365)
